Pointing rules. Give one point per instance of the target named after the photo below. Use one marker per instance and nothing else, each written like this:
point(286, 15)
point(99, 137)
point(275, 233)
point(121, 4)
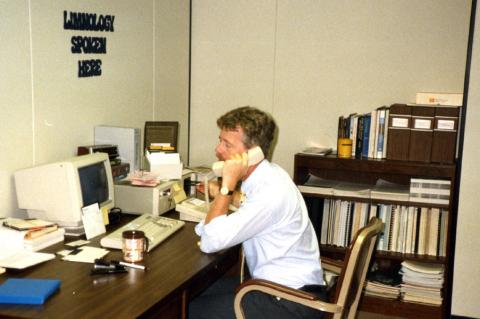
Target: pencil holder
point(344, 148)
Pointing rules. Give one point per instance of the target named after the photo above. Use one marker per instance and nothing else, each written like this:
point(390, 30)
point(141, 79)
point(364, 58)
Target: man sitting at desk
point(271, 223)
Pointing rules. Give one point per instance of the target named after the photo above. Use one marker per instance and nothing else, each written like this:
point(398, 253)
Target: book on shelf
point(433, 231)
point(352, 134)
point(399, 131)
point(445, 134)
point(381, 139)
point(421, 133)
point(358, 145)
point(372, 136)
point(367, 118)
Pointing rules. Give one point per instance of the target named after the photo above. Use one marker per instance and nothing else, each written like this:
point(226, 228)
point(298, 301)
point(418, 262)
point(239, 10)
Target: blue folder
point(27, 291)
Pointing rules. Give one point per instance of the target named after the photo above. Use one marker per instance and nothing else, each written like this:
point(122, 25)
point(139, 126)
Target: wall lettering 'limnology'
point(82, 21)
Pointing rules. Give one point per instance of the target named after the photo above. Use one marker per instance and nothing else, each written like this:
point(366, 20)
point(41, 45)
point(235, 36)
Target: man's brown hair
point(259, 127)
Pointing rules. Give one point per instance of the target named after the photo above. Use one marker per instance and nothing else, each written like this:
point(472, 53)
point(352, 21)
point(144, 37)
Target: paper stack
point(31, 234)
point(422, 283)
point(385, 190)
point(166, 165)
point(383, 284)
point(317, 185)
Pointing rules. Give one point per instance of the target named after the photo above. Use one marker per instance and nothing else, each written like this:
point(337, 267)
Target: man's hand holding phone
point(234, 169)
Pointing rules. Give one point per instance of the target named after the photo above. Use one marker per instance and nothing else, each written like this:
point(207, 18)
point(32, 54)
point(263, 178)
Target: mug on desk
point(134, 245)
point(344, 148)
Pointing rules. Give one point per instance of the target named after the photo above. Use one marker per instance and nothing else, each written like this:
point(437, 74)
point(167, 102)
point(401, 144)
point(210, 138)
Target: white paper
point(400, 122)
point(93, 221)
point(20, 259)
point(423, 124)
point(156, 158)
point(87, 254)
point(76, 243)
point(11, 239)
point(446, 125)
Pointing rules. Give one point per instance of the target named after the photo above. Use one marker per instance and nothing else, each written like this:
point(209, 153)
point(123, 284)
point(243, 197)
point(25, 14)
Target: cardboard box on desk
point(166, 165)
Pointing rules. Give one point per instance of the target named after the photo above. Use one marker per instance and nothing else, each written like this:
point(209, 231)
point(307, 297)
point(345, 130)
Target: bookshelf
point(368, 171)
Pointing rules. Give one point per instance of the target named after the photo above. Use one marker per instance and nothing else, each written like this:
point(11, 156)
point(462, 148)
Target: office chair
point(352, 272)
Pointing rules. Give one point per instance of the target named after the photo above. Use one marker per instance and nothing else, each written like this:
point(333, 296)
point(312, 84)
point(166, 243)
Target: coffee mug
point(134, 245)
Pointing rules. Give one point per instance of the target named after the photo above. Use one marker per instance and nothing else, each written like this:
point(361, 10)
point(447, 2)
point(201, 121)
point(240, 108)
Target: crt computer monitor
point(57, 191)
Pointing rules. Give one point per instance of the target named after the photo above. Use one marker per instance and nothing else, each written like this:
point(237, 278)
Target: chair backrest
point(357, 260)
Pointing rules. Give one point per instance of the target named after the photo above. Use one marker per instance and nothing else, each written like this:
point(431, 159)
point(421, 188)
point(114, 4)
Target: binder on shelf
point(421, 133)
point(359, 137)
point(381, 139)
point(366, 134)
point(445, 134)
point(399, 123)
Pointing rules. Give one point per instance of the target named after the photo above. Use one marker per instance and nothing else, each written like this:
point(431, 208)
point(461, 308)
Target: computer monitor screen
point(94, 184)
point(58, 191)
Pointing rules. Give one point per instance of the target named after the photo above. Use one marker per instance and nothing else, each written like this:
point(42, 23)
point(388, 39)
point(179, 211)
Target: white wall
point(47, 111)
point(466, 279)
point(172, 49)
point(308, 62)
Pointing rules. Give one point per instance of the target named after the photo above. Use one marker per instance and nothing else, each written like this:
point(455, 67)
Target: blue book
point(366, 132)
point(27, 291)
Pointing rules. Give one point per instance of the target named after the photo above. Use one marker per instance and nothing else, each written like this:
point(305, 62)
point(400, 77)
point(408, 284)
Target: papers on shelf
point(317, 185)
point(385, 190)
point(422, 282)
point(352, 190)
point(320, 151)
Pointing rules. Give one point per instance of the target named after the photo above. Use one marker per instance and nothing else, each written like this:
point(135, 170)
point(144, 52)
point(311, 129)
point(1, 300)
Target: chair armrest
point(332, 265)
point(284, 292)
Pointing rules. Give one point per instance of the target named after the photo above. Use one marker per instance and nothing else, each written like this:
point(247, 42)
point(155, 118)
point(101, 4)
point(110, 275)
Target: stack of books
point(383, 284)
point(32, 234)
point(422, 283)
point(432, 191)
point(368, 132)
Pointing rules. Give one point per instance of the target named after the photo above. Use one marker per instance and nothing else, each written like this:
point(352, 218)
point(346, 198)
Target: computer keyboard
point(156, 229)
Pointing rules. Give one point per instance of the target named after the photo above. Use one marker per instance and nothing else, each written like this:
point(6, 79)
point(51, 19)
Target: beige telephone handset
point(255, 155)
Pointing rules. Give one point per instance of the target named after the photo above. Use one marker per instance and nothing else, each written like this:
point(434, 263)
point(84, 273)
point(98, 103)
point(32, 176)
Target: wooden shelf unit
point(368, 171)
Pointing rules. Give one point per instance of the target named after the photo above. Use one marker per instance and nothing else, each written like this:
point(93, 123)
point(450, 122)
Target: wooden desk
point(177, 270)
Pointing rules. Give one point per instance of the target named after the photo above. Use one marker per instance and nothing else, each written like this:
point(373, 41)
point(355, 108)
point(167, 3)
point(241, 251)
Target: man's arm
point(233, 170)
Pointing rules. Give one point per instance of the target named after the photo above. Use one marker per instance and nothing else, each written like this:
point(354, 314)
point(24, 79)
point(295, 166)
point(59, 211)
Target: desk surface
point(176, 271)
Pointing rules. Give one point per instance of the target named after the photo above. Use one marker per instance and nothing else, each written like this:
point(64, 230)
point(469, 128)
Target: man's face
point(230, 143)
